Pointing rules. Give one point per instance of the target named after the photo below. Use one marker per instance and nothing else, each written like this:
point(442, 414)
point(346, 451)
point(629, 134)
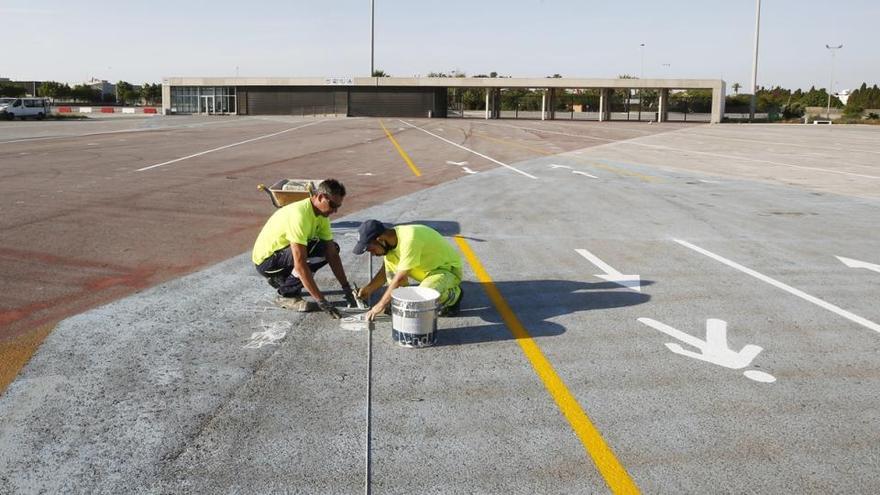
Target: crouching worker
point(411, 251)
point(295, 243)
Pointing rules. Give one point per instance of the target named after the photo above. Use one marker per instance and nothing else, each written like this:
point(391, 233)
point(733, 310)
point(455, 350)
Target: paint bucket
point(414, 316)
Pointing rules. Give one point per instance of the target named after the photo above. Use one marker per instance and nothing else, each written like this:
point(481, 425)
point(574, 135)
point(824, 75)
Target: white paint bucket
point(414, 316)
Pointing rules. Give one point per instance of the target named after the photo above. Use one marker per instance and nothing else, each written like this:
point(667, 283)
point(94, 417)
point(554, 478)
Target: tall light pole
point(754, 102)
point(832, 49)
point(641, 77)
point(372, 36)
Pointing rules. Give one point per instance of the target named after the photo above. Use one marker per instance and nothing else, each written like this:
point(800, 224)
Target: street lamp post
point(372, 36)
point(641, 78)
point(832, 49)
point(754, 101)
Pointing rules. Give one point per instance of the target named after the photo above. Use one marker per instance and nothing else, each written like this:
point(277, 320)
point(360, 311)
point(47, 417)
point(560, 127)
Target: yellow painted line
point(615, 475)
point(412, 166)
point(619, 171)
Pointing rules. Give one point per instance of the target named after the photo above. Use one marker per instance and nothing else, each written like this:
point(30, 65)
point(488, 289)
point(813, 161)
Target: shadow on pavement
point(534, 302)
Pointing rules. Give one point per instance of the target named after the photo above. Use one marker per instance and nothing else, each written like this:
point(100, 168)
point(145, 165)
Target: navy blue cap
point(368, 231)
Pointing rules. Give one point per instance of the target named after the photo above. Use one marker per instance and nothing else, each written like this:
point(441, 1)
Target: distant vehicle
point(22, 108)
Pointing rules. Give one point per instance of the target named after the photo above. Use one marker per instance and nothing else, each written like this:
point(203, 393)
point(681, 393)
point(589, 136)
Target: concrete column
point(544, 105)
point(717, 103)
point(487, 102)
point(552, 103)
point(662, 105)
point(166, 98)
point(603, 104)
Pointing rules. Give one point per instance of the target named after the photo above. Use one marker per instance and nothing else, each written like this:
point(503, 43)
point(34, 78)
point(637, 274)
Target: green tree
point(85, 93)
point(125, 92)
point(151, 93)
point(11, 90)
point(736, 87)
point(54, 90)
point(380, 73)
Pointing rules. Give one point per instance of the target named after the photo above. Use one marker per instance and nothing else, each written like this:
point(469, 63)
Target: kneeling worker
point(411, 251)
point(295, 242)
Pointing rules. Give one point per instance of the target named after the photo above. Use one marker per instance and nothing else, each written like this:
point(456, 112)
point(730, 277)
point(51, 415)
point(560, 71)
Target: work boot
point(295, 304)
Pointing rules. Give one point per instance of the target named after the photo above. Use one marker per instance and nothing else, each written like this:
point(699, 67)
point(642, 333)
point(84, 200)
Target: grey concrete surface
point(156, 393)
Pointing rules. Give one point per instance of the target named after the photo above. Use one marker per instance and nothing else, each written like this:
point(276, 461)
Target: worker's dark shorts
point(278, 268)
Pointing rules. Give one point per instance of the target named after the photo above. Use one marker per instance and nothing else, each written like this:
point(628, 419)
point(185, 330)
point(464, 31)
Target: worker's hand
point(329, 309)
point(373, 313)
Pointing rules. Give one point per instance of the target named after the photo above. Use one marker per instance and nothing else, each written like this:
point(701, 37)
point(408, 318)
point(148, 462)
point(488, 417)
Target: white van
point(11, 108)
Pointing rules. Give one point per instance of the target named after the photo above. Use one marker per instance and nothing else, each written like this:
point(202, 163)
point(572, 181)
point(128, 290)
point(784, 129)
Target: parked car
point(22, 108)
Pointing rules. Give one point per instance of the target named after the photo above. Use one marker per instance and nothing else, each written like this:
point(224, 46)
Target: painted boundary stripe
point(530, 176)
point(403, 154)
point(227, 146)
point(615, 475)
point(791, 290)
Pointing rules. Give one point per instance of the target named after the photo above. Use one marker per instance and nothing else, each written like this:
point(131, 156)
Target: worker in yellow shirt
point(295, 242)
point(411, 251)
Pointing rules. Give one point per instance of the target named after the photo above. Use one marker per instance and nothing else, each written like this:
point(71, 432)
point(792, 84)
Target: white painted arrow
point(553, 165)
point(468, 170)
point(859, 264)
point(584, 173)
point(714, 349)
point(456, 163)
point(629, 281)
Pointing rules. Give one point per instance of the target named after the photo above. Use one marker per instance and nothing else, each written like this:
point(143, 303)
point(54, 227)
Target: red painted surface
point(63, 109)
point(150, 110)
point(106, 109)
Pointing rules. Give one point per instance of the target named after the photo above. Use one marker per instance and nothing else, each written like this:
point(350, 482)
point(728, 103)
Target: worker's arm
point(335, 262)
point(302, 270)
point(377, 282)
point(399, 278)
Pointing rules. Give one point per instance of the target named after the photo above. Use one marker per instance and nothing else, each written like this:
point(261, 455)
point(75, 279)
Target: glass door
point(207, 106)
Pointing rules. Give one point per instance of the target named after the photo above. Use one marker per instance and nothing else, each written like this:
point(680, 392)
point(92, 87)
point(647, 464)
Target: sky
point(707, 39)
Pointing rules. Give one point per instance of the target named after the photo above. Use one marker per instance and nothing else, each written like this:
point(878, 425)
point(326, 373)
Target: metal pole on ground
point(832, 49)
point(754, 101)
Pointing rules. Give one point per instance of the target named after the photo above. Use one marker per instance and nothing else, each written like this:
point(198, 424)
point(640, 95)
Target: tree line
point(125, 94)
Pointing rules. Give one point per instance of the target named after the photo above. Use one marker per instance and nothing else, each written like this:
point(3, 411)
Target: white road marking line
point(553, 165)
point(227, 146)
point(629, 281)
point(584, 173)
point(472, 151)
point(791, 290)
point(466, 169)
point(456, 163)
point(709, 181)
point(732, 157)
point(366, 173)
point(859, 264)
point(150, 129)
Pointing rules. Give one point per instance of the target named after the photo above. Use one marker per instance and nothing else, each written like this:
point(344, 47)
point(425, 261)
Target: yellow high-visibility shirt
point(295, 223)
point(421, 249)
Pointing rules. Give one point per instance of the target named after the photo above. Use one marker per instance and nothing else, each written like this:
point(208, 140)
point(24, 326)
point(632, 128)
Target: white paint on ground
point(709, 181)
point(227, 146)
point(468, 170)
point(859, 264)
point(555, 166)
point(629, 281)
point(584, 173)
point(787, 288)
point(271, 334)
point(745, 158)
point(530, 176)
point(367, 174)
point(714, 349)
point(456, 163)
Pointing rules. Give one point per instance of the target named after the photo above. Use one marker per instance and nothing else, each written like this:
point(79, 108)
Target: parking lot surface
point(655, 308)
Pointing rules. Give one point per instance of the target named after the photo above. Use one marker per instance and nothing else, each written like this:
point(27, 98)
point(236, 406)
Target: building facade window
point(203, 99)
